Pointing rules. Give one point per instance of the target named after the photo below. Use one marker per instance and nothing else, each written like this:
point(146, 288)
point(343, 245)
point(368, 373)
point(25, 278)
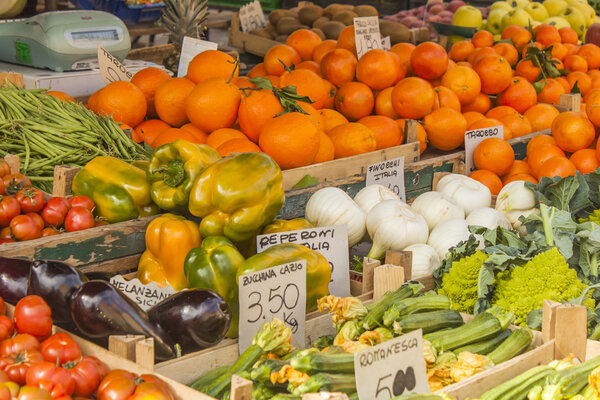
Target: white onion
point(436, 207)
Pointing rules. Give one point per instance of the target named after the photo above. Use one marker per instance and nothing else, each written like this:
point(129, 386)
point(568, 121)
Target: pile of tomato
point(35, 365)
point(25, 214)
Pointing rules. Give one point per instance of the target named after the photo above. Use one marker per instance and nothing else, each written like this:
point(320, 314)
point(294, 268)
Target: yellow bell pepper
point(168, 240)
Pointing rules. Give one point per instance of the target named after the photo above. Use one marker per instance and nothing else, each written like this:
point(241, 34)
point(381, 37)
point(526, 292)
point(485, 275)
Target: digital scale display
point(109, 34)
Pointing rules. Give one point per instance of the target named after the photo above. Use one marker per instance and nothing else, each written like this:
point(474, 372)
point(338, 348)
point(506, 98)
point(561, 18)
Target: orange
point(378, 69)
point(445, 128)
point(92, 102)
point(592, 107)
point(220, 136)
point(520, 95)
point(404, 52)
point(575, 63)
point(481, 104)
point(572, 48)
point(307, 83)
point(517, 124)
point(274, 79)
point(568, 35)
point(243, 83)
point(355, 100)
point(489, 123)
point(331, 91)
point(519, 35)
point(213, 104)
point(508, 52)
point(464, 82)
point(489, 179)
point(591, 53)
point(170, 100)
point(572, 131)
point(551, 92)
point(520, 177)
point(538, 141)
point(124, 101)
point(280, 56)
point(472, 116)
point(383, 104)
point(585, 160)
point(495, 74)
point(313, 112)
point(588, 95)
point(330, 119)
point(237, 146)
point(445, 97)
point(483, 39)
point(495, 155)
point(540, 154)
point(598, 150)
point(338, 66)
point(346, 39)
point(525, 50)
point(326, 150)
point(311, 66)
point(63, 96)
point(148, 130)
point(212, 64)
point(511, 30)
point(527, 70)
point(258, 70)
point(386, 130)
point(429, 60)
point(256, 109)
point(304, 41)
point(541, 116)
point(564, 83)
point(498, 112)
point(421, 133)
point(148, 80)
point(547, 35)
point(172, 134)
point(477, 54)
point(584, 82)
point(194, 130)
point(559, 51)
point(518, 167)
point(460, 50)
point(595, 75)
point(351, 139)
point(557, 166)
point(413, 98)
point(323, 48)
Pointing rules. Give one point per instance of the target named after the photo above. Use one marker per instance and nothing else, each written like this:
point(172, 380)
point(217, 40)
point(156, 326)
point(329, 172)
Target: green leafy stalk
point(287, 96)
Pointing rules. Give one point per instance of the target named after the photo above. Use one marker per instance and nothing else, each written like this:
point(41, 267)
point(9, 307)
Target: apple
point(557, 22)
point(494, 21)
point(500, 5)
point(436, 9)
point(593, 34)
point(432, 3)
point(434, 18)
point(517, 16)
point(588, 12)
point(518, 3)
point(408, 20)
point(467, 16)
point(575, 18)
point(416, 24)
point(554, 7)
point(537, 11)
point(455, 5)
point(446, 14)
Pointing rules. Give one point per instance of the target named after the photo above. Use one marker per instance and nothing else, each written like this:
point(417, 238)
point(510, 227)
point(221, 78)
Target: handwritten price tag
point(386, 43)
point(392, 368)
point(252, 17)
point(330, 241)
point(190, 48)
point(111, 69)
point(277, 292)
point(476, 136)
point(366, 34)
point(389, 173)
point(143, 295)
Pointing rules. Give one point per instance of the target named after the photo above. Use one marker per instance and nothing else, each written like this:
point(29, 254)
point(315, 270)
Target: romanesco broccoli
point(546, 276)
point(460, 282)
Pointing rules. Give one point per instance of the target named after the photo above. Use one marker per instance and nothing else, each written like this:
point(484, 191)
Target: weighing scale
point(63, 40)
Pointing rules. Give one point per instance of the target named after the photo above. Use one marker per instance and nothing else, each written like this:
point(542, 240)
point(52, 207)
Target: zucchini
point(414, 305)
point(430, 321)
point(201, 382)
point(262, 372)
point(518, 385)
point(419, 396)
point(327, 382)
point(485, 346)
point(374, 317)
point(518, 342)
point(324, 362)
point(437, 334)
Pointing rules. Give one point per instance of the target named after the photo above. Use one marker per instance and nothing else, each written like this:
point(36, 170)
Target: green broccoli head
point(460, 282)
point(546, 276)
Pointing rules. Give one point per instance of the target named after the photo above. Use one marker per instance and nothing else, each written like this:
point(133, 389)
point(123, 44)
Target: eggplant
point(55, 282)
point(100, 310)
point(14, 273)
point(194, 318)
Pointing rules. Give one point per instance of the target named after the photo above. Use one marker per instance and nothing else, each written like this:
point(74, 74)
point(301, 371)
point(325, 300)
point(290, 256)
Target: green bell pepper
point(173, 170)
point(214, 266)
point(119, 190)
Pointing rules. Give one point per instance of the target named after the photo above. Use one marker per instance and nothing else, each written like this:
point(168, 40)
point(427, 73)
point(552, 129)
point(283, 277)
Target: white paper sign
point(111, 69)
point(330, 241)
point(277, 292)
point(145, 296)
point(476, 136)
point(392, 368)
point(252, 17)
point(366, 34)
point(389, 173)
point(190, 48)
point(386, 43)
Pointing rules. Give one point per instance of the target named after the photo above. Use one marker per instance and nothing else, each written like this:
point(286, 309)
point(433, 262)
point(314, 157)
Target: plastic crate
point(130, 15)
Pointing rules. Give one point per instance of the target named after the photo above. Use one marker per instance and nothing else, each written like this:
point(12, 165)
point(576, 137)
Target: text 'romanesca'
point(546, 276)
point(460, 282)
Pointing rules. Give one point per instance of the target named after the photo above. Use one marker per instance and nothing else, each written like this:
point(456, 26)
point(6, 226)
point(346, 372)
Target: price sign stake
point(366, 34)
point(386, 43)
point(330, 241)
point(392, 368)
point(476, 136)
point(111, 69)
point(389, 173)
point(252, 17)
point(277, 292)
point(190, 48)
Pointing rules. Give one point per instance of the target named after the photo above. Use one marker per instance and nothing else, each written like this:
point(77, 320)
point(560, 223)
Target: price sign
point(277, 292)
point(476, 136)
point(392, 368)
point(390, 174)
point(252, 17)
point(143, 295)
point(330, 241)
point(111, 69)
point(366, 34)
point(386, 43)
point(190, 48)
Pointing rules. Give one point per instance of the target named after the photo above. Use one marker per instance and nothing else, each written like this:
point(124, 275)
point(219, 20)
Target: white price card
point(252, 17)
point(111, 69)
point(330, 241)
point(190, 48)
point(386, 43)
point(366, 34)
point(476, 136)
point(389, 173)
point(144, 295)
point(277, 292)
point(392, 368)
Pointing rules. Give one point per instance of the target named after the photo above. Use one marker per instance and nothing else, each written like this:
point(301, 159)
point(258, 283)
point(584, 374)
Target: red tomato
point(37, 218)
point(61, 347)
point(87, 375)
point(18, 344)
point(78, 219)
point(5, 233)
point(32, 315)
point(23, 227)
point(7, 241)
point(30, 200)
point(82, 201)
point(33, 393)
point(2, 307)
point(45, 372)
point(49, 231)
point(6, 327)
point(55, 211)
point(1, 187)
point(15, 182)
point(9, 208)
point(4, 168)
point(124, 385)
point(16, 365)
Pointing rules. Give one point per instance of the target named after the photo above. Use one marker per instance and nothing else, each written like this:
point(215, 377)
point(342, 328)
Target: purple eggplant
point(13, 279)
point(100, 310)
point(194, 318)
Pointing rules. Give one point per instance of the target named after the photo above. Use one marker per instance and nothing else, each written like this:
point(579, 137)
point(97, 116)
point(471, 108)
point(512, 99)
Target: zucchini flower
point(429, 352)
point(594, 381)
point(468, 364)
point(354, 347)
point(274, 337)
point(289, 374)
point(552, 392)
point(436, 384)
point(349, 332)
point(343, 309)
point(567, 362)
point(376, 336)
point(535, 393)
